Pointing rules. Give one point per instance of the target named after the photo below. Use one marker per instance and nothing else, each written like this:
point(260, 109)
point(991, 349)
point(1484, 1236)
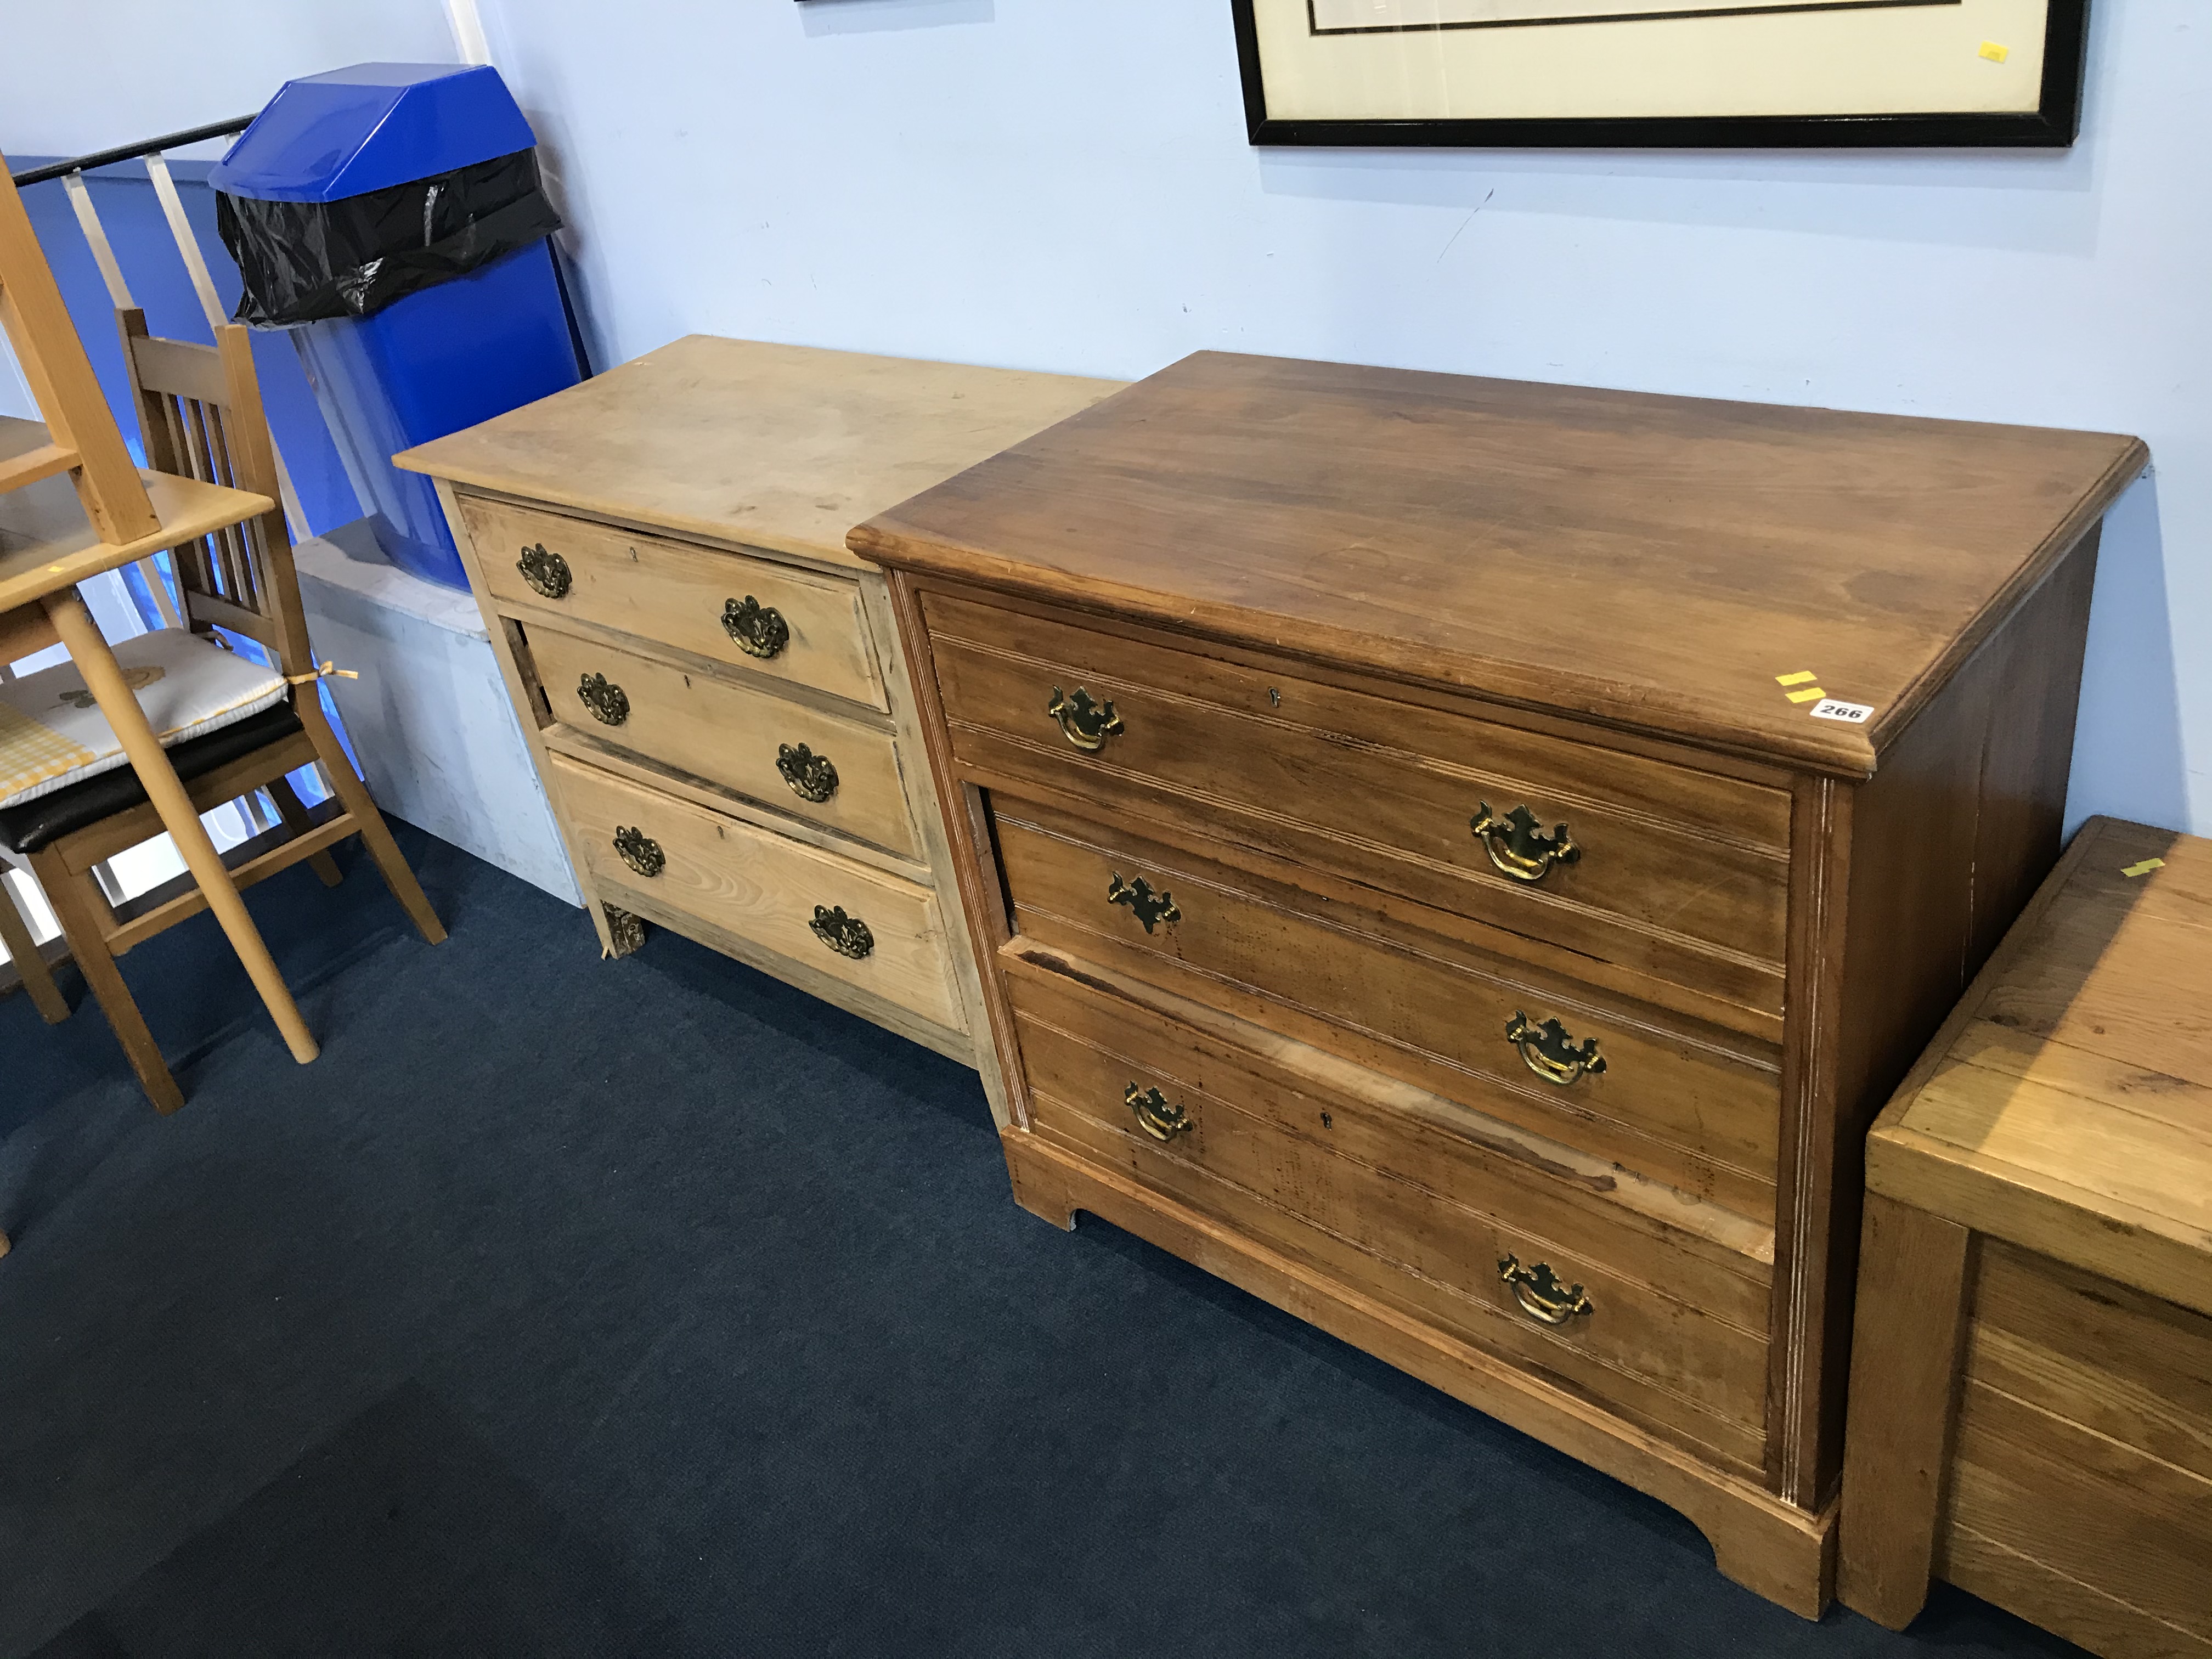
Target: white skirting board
point(429, 717)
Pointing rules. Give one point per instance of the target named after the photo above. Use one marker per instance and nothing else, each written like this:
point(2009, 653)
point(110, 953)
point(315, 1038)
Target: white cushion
point(52, 734)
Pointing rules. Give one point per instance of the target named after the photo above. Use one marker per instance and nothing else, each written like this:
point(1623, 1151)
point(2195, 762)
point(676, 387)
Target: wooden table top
point(46, 542)
point(777, 446)
point(1651, 561)
point(2067, 1106)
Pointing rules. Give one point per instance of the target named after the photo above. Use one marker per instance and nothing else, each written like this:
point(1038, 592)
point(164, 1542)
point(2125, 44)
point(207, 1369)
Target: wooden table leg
point(103, 677)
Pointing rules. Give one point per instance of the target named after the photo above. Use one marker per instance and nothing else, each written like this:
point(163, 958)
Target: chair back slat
point(178, 368)
point(200, 409)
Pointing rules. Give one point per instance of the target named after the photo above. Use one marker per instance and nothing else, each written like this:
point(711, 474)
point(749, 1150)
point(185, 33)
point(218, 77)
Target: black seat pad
point(35, 825)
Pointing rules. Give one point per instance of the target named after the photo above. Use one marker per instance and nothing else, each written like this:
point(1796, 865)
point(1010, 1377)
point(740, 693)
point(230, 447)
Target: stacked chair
point(75, 791)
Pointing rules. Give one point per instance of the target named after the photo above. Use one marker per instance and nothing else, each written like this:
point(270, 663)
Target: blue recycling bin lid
point(324, 137)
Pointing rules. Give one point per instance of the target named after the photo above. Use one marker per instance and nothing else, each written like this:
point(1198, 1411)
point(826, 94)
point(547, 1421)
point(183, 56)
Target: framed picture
point(1678, 74)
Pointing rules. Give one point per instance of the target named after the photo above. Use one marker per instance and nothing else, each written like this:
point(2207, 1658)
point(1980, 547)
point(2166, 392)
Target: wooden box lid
point(777, 446)
point(1650, 561)
point(2067, 1103)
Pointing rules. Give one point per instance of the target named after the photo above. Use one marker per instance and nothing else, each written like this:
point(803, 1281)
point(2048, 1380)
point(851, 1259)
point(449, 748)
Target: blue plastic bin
point(439, 359)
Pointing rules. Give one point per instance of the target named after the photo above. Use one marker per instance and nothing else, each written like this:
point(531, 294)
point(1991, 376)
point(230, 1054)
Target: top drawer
point(771, 618)
point(1674, 873)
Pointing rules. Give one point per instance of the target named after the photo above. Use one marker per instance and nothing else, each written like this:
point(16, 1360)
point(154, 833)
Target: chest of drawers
point(1418, 872)
point(709, 681)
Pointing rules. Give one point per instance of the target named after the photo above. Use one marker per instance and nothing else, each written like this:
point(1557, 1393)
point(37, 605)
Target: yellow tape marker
point(2144, 868)
point(1810, 694)
point(1796, 679)
point(1994, 52)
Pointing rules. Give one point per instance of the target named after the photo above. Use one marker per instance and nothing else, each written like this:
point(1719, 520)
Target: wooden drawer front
point(765, 888)
point(730, 734)
point(1395, 1209)
point(2083, 1451)
point(677, 595)
point(1684, 1111)
point(1680, 874)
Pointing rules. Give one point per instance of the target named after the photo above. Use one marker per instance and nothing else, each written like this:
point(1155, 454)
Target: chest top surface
point(784, 447)
point(1650, 560)
point(2072, 1091)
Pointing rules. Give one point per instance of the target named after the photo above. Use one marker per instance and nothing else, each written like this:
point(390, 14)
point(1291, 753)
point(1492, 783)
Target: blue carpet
point(653, 1308)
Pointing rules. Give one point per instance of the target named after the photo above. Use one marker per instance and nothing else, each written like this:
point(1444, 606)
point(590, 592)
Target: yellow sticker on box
point(1800, 677)
point(1810, 694)
point(2144, 868)
point(1994, 52)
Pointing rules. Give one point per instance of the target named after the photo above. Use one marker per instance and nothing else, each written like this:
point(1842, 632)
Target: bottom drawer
point(1667, 1330)
point(860, 925)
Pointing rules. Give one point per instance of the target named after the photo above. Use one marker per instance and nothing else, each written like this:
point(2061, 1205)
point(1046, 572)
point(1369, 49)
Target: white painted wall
point(1045, 185)
point(96, 73)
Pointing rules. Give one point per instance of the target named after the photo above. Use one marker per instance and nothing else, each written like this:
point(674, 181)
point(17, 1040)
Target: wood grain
point(765, 888)
point(2068, 1105)
point(2129, 1367)
point(669, 593)
point(1692, 1111)
point(1776, 1549)
point(1646, 560)
point(2059, 1602)
point(1913, 1270)
point(732, 734)
point(2139, 1529)
point(1947, 840)
point(781, 447)
point(1679, 871)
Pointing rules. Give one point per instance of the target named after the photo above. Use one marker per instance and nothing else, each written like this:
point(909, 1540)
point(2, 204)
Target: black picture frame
point(2054, 125)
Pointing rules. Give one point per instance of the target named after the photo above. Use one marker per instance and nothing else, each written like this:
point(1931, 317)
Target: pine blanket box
point(2031, 1410)
point(1466, 860)
point(708, 680)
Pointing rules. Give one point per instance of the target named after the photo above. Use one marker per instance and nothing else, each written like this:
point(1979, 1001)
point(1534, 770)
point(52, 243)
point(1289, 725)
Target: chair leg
point(30, 966)
point(295, 819)
point(374, 835)
point(77, 906)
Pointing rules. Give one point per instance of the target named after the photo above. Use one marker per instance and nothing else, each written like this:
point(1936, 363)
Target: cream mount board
point(1677, 72)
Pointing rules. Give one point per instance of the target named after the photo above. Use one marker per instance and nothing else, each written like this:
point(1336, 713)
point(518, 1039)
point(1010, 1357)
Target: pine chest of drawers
point(708, 680)
point(1464, 861)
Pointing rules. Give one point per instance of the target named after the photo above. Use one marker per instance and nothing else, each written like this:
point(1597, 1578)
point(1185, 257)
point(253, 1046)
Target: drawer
point(775, 893)
point(1405, 1211)
point(834, 772)
point(1674, 873)
point(1679, 1104)
point(679, 594)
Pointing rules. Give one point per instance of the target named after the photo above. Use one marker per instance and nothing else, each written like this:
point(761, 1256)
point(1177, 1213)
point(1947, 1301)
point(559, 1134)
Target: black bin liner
point(305, 261)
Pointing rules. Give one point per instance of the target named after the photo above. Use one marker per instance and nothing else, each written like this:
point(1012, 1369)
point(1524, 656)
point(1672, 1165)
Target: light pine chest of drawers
point(709, 681)
point(1416, 877)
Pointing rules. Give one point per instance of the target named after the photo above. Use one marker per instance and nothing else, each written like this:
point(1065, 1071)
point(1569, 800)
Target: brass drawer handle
point(1158, 1118)
point(639, 851)
point(759, 629)
point(1148, 907)
point(1550, 1053)
point(608, 702)
point(548, 574)
point(1517, 848)
point(1540, 1293)
point(1086, 724)
point(849, 936)
point(811, 777)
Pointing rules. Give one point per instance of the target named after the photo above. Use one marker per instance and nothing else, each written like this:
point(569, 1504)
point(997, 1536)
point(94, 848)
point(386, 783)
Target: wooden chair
point(82, 437)
point(200, 411)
